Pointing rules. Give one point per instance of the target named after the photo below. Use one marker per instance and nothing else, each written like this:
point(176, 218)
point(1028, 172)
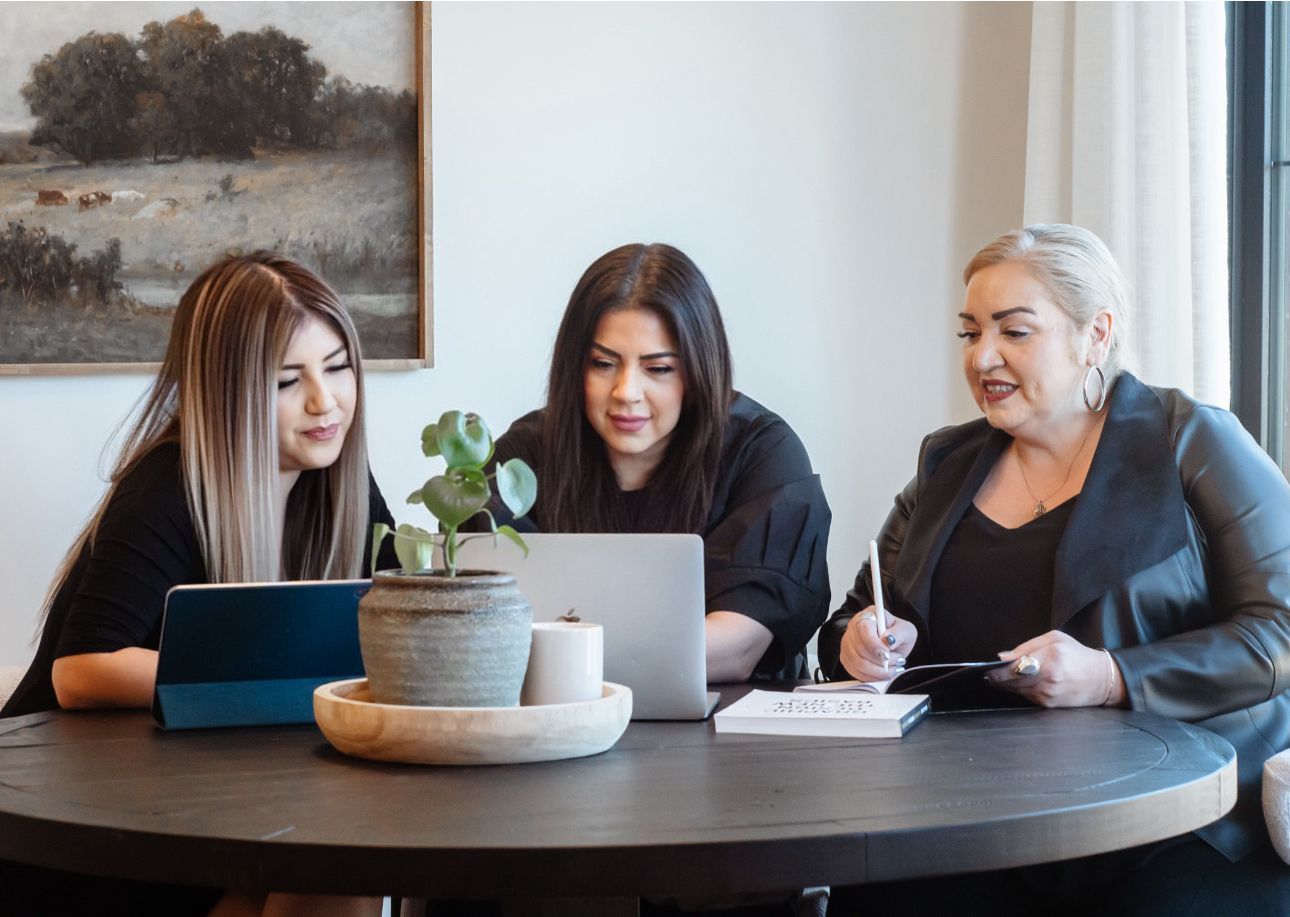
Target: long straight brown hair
point(577, 487)
point(216, 396)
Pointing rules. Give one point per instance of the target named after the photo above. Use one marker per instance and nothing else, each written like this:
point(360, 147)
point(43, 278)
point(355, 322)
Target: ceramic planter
point(431, 640)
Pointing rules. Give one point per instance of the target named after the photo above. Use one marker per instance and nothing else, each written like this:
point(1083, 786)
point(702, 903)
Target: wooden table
point(672, 810)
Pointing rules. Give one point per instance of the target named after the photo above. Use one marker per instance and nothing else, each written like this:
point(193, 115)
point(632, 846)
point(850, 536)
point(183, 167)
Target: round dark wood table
point(672, 810)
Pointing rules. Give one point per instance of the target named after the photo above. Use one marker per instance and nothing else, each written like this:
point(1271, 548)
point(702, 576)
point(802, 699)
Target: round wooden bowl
point(468, 735)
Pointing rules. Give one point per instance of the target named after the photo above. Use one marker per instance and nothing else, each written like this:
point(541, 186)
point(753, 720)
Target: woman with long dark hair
point(247, 463)
point(643, 432)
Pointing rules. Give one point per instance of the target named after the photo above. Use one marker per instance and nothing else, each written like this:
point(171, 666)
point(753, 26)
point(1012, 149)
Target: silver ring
point(1027, 665)
point(867, 616)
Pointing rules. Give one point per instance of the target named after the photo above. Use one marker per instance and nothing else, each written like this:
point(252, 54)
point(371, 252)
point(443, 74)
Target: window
point(1259, 189)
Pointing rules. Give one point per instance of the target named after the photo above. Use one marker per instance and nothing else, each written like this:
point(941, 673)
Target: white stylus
point(880, 613)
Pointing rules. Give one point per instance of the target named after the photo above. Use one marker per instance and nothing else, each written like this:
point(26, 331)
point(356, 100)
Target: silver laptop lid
point(645, 590)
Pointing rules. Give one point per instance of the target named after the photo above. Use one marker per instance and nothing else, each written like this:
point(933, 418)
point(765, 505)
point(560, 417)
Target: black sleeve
point(145, 544)
point(522, 441)
point(1241, 502)
point(377, 511)
point(766, 556)
point(860, 596)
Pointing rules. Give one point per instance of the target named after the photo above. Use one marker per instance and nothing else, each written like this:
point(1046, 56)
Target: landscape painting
point(141, 141)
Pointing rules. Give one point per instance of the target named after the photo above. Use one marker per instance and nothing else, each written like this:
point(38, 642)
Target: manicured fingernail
point(891, 639)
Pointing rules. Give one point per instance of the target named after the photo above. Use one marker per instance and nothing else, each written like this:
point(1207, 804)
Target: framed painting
point(141, 141)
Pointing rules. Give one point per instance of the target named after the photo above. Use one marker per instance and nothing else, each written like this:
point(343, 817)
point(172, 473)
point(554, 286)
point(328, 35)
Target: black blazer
point(1176, 558)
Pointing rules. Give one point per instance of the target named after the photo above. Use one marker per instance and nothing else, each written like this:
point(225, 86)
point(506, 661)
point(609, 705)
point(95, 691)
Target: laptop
point(645, 590)
point(251, 654)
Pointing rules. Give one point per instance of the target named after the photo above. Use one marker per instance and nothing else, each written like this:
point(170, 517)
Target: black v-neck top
point(993, 586)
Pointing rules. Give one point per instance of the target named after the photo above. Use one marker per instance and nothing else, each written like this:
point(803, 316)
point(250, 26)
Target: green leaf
point(415, 497)
point(414, 552)
point(379, 531)
point(456, 496)
point(517, 486)
point(415, 532)
point(463, 440)
point(513, 536)
point(430, 440)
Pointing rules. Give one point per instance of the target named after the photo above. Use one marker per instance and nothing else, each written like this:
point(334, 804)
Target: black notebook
point(950, 685)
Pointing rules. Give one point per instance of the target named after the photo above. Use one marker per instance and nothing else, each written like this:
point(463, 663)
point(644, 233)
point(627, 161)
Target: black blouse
point(993, 586)
point(766, 536)
point(116, 593)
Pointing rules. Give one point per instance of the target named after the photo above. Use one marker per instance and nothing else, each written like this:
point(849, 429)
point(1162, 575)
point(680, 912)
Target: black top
point(766, 535)
point(993, 587)
point(116, 592)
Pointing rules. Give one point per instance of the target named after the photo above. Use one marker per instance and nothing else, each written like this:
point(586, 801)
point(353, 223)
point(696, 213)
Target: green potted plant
point(436, 635)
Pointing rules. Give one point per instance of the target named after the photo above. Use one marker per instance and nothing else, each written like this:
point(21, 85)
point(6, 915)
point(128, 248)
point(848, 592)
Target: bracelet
point(1110, 681)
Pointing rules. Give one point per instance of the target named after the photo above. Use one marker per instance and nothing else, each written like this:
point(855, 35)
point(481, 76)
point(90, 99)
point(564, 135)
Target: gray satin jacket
point(1176, 558)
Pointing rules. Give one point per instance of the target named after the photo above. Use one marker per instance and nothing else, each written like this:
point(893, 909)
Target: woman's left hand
point(1070, 673)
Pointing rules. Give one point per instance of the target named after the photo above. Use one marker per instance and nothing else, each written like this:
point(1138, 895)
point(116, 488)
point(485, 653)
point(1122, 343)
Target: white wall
point(830, 168)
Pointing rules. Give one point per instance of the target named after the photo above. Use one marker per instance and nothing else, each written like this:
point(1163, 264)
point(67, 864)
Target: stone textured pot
point(432, 640)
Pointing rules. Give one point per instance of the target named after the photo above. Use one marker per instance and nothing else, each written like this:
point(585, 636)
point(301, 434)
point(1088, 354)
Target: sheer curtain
point(1128, 137)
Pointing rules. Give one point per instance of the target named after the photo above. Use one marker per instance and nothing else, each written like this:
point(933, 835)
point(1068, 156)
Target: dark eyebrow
point(996, 316)
point(645, 356)
point(340, 349)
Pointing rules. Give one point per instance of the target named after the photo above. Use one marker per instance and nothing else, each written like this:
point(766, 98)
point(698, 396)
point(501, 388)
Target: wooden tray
point(468, 735)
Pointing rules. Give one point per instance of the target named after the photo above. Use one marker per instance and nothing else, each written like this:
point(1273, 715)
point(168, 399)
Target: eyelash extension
point(287, 383)
point(339, 367)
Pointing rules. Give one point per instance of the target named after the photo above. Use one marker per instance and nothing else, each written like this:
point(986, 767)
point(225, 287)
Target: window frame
point(1257, 42)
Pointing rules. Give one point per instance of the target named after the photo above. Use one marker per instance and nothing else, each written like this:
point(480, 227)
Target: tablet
point(251, 654)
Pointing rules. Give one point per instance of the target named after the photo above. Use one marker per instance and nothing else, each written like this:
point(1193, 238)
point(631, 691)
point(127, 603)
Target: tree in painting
point(183, 89)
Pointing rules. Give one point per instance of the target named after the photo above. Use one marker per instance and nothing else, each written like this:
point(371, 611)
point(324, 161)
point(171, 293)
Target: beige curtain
point(1128, 137)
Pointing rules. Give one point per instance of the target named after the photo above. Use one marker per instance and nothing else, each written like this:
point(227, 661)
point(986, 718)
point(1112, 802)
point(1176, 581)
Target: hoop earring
point(1101, 395)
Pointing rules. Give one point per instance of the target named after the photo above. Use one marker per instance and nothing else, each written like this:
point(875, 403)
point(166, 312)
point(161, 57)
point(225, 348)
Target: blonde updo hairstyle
point(1075, 267)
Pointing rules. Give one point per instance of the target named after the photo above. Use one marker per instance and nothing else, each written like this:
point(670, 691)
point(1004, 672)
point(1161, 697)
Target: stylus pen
point(880, 613)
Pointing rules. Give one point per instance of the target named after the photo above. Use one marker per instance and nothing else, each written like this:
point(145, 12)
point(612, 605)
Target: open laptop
point(645, 590)
point(251, 654)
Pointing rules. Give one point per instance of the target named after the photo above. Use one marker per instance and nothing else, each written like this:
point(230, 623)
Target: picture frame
point(346, 191)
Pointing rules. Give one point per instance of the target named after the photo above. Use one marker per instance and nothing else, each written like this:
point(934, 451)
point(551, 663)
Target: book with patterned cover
point(859, 715)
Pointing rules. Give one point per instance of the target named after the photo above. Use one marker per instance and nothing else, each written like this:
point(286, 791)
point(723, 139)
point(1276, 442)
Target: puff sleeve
point(767, 538)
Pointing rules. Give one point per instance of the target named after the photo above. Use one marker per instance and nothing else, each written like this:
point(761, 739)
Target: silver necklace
point(1040, 508)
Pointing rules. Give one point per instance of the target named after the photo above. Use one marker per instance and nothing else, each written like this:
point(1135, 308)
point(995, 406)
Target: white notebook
point(858, 715)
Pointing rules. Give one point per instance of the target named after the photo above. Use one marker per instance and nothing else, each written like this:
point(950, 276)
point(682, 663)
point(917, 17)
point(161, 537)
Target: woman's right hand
point(864, 651)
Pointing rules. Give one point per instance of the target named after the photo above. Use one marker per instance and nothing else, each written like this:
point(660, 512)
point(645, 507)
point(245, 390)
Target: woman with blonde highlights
point(247, 463)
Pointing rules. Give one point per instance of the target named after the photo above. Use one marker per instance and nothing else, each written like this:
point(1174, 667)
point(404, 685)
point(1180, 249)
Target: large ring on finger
point(867, 616)
point(1027, 665)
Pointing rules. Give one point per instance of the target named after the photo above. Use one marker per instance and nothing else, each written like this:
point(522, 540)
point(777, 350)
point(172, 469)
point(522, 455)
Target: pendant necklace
point(1040, 508)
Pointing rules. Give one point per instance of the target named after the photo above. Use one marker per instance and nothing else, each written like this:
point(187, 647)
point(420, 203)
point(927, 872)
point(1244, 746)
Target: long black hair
point(579, 492)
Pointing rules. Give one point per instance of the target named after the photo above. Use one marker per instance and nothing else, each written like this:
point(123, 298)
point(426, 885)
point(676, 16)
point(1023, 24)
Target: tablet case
point(252, 654)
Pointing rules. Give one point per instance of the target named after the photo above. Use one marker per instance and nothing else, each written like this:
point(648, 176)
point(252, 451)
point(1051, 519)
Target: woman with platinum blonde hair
point(1118, 545)
point(247, 463)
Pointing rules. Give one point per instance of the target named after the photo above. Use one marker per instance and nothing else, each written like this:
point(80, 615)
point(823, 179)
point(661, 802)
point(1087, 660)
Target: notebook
point(645, 590)
point(251, 654)
point(884, 716)
point(953, 686)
